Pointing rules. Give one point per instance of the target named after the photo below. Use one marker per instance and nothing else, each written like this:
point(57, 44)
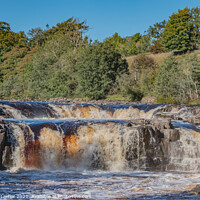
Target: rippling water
point(81, 184)
point(58, 136)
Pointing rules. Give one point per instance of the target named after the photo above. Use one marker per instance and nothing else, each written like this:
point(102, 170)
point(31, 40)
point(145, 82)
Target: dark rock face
point(156, 138)
point(7, 157)
point(153, 137)
point(2, 144)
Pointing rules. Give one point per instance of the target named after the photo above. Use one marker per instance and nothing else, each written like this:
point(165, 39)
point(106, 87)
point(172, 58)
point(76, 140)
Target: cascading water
point(103, 144)
point(108, 145)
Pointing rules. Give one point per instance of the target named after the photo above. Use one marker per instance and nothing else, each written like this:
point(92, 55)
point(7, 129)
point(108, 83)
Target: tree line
point(61, 61)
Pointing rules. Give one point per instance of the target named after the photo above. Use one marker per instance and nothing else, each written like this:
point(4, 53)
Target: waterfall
point(97, 145)
point(107, 137)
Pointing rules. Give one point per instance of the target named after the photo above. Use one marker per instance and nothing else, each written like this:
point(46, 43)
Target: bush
point(135, 94)
point(166, 100)
point(169, 81)
point(98, 68)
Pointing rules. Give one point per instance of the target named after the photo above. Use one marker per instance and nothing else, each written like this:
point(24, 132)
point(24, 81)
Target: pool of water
point(83, 184)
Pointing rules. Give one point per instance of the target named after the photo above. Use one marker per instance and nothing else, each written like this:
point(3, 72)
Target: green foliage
point(59, 62)
point(36, 37)
point(155, 31)
point(141, 63)
point(51, 70)
point(98, 68)
point(9, 68)
point(135, 94)
point(143, 44)
point(155, 34)
point(126, 46)
point(118, 43)
point(123, 84)
point(168, 81)
point(177, 34)
point(191, 69)
point(72, 29)
point(166, 100)
point(196, 71)
point(9, 39)
point(132, 43)
point(156, 48)
point(195, 25)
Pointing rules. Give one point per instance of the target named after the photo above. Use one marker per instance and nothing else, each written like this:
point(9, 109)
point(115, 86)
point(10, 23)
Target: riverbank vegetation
point(61, 61)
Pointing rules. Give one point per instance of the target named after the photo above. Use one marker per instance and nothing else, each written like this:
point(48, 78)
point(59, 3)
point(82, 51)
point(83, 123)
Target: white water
point(68, 184)
point(95, 145)
point(92, 162)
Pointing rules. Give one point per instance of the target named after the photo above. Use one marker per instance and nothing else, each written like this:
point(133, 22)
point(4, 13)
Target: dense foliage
point(98, 68)
point(60, 61)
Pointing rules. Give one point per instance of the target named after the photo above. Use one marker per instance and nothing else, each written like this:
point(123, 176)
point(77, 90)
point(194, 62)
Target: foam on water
point(62, 151)
point(66, 184)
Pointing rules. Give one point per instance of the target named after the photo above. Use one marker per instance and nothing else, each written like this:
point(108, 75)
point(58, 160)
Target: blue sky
point(104, 17)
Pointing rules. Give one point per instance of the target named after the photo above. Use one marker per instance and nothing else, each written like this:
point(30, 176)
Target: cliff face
point(110, 137)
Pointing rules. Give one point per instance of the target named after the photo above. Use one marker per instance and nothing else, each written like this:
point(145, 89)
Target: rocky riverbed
point(163, 140)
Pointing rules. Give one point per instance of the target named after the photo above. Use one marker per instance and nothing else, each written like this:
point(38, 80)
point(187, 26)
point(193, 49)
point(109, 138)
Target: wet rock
point(152, 141)
point(7, 157)
point(196, 189)
point(2, 146)
point(162, 123)
point(194, 120)
point(171, 134)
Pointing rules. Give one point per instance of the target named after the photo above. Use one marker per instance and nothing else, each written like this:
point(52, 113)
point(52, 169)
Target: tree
point(143, 44)
point(191, 68)
point(9, 39)
point(155, 31)
point(195, 25)
point(98, 68)
point(157, 47)
point(73, 29)
point(141, 62)
point(168, 81)
point(131, 43)
point(177, 34)
point(118, 43)
point(51, 69)
point(36, 37)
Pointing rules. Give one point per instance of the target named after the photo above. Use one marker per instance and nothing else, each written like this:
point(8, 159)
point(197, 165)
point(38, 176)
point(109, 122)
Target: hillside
point(160, 57)
point(62, 62)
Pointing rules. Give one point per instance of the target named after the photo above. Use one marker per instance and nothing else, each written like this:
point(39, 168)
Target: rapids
point(66, 151)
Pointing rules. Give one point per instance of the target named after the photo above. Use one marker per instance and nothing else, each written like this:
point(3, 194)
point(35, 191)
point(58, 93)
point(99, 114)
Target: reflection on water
point(69, 184)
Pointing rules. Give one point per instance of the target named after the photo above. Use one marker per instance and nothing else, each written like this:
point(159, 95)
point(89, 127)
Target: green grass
point(194, 102)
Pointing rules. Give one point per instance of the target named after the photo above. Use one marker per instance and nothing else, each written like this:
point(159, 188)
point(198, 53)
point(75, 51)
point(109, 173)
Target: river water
point(83, 184)
point(83, 152)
